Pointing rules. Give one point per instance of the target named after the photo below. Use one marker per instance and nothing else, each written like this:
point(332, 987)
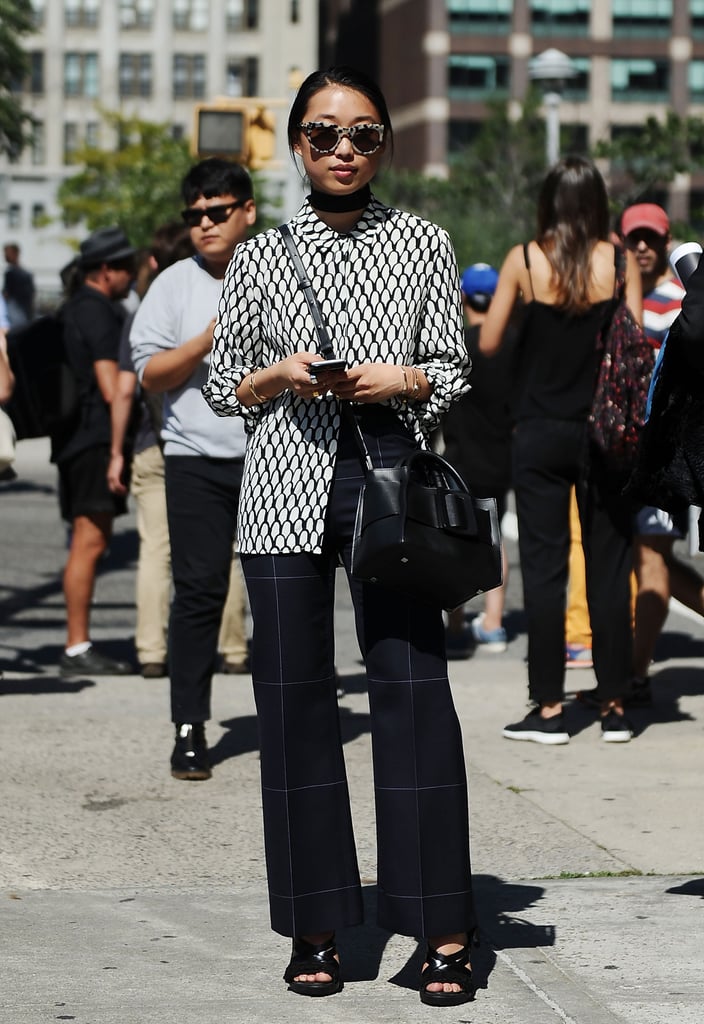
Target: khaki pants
point(153, 595)
point(154, 564)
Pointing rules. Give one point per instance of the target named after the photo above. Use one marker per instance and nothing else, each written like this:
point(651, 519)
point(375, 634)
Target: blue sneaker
point(493, 640)
point(578, 656)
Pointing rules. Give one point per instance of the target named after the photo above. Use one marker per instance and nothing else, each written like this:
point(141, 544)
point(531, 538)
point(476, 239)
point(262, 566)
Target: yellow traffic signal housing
point(242, 130)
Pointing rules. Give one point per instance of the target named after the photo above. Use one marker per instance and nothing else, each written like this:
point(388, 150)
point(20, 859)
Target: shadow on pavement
point(37, 659)
point(497, 902)
point(693, 888)
point(678, 645)
point(42, 684)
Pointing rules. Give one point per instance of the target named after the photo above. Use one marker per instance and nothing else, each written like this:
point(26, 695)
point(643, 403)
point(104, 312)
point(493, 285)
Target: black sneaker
point(538, 730)
point(616, 728)
point(92, 663)
point(189, 759)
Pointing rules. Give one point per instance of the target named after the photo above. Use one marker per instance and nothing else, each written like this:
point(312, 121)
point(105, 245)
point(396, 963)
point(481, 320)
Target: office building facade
point(152, 58)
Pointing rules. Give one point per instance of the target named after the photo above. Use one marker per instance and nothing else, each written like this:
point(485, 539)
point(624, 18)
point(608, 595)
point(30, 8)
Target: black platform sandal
point(452, 968)
point(308, 958)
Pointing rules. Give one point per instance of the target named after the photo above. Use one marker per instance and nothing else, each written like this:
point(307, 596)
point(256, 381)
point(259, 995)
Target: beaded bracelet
point(255, 395)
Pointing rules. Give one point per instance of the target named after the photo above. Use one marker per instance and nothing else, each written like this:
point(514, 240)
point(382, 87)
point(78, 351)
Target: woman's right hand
point(293, 373)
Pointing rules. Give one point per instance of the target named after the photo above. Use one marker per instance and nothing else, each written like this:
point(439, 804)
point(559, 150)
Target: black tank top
point(558, 360)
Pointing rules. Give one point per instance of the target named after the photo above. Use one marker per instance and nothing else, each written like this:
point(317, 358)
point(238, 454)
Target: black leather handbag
point(417, 529)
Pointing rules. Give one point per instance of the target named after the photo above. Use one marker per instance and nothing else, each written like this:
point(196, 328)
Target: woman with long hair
point(388, 286)
point(566, 277)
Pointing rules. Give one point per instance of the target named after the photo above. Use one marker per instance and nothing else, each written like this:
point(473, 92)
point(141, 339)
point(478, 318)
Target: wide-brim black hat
point(106, 245)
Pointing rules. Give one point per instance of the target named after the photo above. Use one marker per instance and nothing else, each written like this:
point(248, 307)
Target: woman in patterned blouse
point(387, 283)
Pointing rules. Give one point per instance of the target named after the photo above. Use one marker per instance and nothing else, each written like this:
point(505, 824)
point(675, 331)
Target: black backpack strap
point(526, 259)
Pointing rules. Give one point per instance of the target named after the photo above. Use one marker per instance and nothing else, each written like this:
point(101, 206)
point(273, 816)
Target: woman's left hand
point(370, 382)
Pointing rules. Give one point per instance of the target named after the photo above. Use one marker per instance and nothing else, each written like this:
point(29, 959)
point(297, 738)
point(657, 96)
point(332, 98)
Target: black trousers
point(549, 456)
point(201, 504)
point(423, 870)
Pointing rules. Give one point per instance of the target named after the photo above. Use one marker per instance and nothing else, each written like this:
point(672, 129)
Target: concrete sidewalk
point(130, 897)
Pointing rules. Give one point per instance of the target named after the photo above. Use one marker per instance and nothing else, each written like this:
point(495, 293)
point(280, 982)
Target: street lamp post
point(550, 69)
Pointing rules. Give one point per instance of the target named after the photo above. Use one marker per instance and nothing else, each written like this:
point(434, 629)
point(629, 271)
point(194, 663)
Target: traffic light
point(243, 130)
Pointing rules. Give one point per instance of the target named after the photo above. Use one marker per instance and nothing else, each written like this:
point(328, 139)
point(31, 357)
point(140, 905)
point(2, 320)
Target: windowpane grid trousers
point(422, 818)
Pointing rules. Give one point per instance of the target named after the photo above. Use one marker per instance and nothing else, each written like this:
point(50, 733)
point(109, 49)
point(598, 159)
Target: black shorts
point(83, 486)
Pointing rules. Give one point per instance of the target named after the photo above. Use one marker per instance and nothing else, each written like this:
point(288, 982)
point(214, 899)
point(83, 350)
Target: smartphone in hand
point(326, 366)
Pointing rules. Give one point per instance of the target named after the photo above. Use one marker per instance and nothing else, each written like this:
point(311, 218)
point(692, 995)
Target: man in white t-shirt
point(171, 339)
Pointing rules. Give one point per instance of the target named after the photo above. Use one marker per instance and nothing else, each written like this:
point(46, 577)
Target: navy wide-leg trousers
point(423, 870)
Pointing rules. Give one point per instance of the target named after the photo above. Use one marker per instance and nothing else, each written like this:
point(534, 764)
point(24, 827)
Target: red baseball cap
point(645, 215)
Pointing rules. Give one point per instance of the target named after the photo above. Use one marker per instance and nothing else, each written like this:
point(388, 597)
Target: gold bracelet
point(255, 395)
point(415, 390)
point(405, 381)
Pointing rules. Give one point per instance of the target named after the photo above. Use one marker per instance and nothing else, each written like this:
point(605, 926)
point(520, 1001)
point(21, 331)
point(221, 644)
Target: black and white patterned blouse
point(389, 292)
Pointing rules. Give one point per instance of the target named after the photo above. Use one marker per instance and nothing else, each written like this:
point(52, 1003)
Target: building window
point(93, 135)
point(38, 13)
point(14, 215)
point(178, 132)
point(38, 144)
point(36, 73)
point(241, 14)
point(33, 81)
point(188, 76)
point(191, 15)
point(634, 18)
point(295, 15)
point(136, 13)
point(70, 141)
point(696, 10)
point(135, 74)
point(477, 78)
point(695, 80)
point(560, 17)
point(640, 80)
point(38, 215)
point(486, 16)
point(242, 77)
point(81, 13)
point(81, 74)
point(576, 89)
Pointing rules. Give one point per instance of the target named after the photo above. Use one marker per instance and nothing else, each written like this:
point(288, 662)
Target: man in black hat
point(92, 325)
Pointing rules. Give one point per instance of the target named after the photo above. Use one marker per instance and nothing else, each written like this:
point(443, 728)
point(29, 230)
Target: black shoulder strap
point(526, 259)
point(326, 348)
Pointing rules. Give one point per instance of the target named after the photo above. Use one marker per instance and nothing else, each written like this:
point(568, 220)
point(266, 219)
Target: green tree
point(134, 185)
point(487, 203)
point(15, 123)
point(137, 184)
point(646, 156)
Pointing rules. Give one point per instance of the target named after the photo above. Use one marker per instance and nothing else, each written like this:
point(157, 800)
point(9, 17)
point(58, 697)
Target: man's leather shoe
point(235, 668)
point(92, 663)
point(189, 759)
point(153, 670)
